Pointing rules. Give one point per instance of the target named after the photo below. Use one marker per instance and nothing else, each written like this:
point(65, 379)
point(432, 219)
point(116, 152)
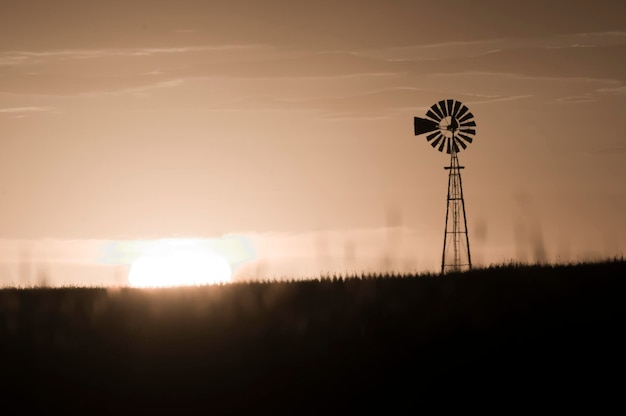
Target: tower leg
point(469, 255)
point(445, 231)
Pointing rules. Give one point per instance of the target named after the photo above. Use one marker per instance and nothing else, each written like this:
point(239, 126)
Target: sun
point(178, 263)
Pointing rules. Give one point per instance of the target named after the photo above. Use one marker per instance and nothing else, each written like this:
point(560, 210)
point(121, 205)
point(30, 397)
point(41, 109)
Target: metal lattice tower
point(452, 127)
point(456, 252)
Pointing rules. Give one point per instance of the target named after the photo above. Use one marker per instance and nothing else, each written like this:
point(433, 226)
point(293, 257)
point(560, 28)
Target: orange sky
point(291, 123)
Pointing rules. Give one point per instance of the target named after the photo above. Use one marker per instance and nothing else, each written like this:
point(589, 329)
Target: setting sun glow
point(179, 263)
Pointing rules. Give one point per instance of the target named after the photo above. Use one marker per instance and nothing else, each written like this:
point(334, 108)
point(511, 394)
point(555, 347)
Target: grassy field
point(505, 337)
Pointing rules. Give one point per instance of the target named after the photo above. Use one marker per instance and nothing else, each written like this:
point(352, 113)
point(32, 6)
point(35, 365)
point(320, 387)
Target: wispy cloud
point(618, 90)
point(20, 110)
point(141, 89)
point(475, 48)
point(555, 67)
point(496, 99)
point(374, 104)
point(577, 99)
point(8, 59)
point(353, 116)
point(18, 57)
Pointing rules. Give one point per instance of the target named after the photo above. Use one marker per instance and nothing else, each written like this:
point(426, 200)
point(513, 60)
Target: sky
point(288, 125)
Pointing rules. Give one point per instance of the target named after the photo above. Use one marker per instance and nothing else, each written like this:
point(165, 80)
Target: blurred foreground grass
point(512, 334)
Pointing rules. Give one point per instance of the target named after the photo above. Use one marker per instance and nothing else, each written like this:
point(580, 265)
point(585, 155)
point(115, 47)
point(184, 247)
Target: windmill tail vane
point(450, 126)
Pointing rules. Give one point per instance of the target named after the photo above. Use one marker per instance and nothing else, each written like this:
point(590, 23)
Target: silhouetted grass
point(511, 334)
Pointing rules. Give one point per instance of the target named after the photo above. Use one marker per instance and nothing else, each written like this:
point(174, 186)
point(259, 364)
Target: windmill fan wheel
point(449, 124)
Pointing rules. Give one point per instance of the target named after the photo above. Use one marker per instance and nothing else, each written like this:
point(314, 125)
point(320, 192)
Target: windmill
point(451, 126)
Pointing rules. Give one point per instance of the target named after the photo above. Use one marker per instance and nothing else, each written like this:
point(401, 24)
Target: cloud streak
point(477, 48)
point(348, 82)
point(21, 110)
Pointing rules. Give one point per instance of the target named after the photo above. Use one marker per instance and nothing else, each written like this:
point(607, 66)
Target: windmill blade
point(442, 105)
point(437, 111)
point(423, 125)
point(432, 115)
point(443, 142)
point(432, 136)
point(456, 148)
point(450, 103)
point(466, 138)
point(466, 117)
point(436, 141)
point(457, 105)
point(463, 145)
point(448, 150)
point(471, 123)
point(463, 110)
point(468, 131)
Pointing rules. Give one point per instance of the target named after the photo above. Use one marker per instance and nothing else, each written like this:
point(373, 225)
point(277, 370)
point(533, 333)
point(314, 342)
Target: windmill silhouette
point(451, 126)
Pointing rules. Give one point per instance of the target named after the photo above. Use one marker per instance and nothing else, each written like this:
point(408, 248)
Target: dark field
point(503, 338)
